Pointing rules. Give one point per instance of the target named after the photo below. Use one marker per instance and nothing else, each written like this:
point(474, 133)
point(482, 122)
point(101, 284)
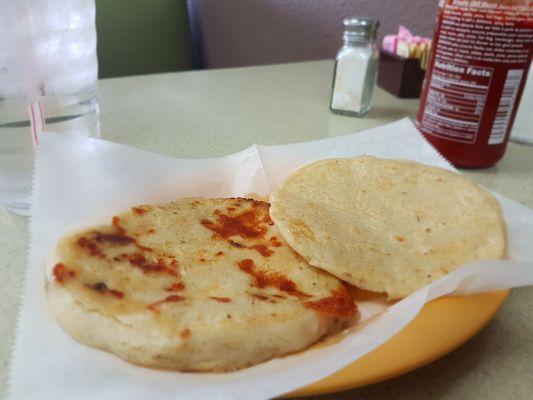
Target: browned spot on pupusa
point(102, 288)
point(94, 242)
point(176, 287)
point(262, 297)
point(185, 334)
point(275, 241)
point(262, 249)
point(263, 279)
point(148, 266)
point(259, 296)
point(251, 223)
point(90, 246)
point(339, 304)
point(117, 223)
point(113, 238)
point(62, 273)
point(221, 299)
point(169, 299)
point(140, 210)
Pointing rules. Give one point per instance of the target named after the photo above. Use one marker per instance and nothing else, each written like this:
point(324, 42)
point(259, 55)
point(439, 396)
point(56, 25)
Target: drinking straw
point(22, 62)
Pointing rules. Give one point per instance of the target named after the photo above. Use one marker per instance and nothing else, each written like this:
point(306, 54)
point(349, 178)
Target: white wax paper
point(81, 181)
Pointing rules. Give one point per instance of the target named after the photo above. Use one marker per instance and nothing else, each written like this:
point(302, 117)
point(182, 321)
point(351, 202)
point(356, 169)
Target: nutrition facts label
point(477, 52)
point(455, 106)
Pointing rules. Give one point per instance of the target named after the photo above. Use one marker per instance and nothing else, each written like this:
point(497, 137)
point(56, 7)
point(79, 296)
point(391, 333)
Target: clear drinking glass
point(48, 80)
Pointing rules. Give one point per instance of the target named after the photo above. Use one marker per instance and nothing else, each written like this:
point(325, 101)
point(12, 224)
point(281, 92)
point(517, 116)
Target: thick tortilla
point(194, 285)
point(388, 226)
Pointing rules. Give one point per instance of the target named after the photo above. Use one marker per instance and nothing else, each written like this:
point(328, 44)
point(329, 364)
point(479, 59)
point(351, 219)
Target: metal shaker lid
point(360, 28)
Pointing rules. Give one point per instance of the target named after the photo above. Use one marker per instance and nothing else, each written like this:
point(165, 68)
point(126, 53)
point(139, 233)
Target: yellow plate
point(442, 326)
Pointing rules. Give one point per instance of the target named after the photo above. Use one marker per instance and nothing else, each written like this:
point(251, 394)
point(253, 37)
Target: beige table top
point(208, 113)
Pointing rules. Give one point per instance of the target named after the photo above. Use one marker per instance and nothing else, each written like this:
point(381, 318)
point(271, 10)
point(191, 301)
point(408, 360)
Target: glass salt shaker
point(356, 64)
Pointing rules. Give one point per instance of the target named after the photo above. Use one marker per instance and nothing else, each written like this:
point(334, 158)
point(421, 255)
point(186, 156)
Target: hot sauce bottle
point(481, 54)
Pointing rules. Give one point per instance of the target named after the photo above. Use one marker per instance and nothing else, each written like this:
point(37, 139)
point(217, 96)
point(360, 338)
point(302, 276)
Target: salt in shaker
point(355, 68)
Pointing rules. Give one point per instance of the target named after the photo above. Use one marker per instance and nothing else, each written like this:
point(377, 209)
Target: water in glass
point(48, 56)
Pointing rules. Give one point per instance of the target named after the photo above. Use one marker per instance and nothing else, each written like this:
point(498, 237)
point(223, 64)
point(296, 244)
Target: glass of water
point(48, 81)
